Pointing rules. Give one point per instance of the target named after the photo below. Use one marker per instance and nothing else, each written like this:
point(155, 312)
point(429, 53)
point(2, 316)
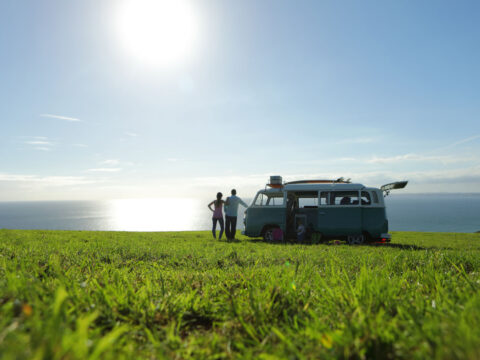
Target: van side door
point(339, 213)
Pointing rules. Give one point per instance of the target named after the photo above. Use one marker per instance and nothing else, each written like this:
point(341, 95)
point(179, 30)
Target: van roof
point(315, 187)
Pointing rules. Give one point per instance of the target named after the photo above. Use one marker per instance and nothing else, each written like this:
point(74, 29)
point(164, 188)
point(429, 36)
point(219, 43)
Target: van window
point(375, 197)
point(344, 198)
point(275, 201)
point(265, 200)
point(307, 199)
point(324, 198)
point(307, 202)
point(366, 198)
point(261, 200)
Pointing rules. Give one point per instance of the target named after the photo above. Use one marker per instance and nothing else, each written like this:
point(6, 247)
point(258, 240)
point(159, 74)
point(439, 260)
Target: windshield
point(269, 199)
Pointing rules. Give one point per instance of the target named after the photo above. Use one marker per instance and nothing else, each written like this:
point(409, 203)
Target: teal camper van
point(327, 208)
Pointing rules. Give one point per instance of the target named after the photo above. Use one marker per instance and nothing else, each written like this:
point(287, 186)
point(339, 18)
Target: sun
point(157, 32)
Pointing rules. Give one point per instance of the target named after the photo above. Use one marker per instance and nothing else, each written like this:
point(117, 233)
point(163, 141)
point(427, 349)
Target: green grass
point(114, 295)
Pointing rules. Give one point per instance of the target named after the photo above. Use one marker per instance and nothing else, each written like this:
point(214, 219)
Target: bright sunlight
point(157, 32)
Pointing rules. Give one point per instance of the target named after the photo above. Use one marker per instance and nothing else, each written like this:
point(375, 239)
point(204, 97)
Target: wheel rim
point(356, 239)
point(268, 235)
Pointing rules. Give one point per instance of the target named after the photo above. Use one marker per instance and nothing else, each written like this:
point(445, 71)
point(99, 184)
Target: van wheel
point(356, 239)
point(268, 235)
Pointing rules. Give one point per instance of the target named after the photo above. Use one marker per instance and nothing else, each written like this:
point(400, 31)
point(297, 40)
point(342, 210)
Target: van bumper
point(385, 237)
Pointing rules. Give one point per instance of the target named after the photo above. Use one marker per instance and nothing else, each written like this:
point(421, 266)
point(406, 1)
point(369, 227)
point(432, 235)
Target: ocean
point(406, 212)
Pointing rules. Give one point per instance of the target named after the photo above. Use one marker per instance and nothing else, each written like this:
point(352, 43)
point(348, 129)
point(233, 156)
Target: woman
point(217, 215)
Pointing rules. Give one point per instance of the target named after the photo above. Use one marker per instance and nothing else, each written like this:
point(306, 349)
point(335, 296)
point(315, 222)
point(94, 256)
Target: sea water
point(412, 212)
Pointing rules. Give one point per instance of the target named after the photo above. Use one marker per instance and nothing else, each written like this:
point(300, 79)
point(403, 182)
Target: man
point(231, 211)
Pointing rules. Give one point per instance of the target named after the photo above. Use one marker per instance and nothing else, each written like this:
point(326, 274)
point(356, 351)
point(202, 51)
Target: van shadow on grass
point(397, 246)
point(342, 243)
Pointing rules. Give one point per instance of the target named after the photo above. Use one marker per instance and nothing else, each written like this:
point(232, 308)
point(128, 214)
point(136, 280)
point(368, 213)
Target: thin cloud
point(131, 134)
point(80, 145)
point(111, 162)
point(456, 143)
point(463, 141)
point(417, 157)
point(61, 117)
point(39, 142)
point(356, 141)
point(105, 170)
point(46, 180)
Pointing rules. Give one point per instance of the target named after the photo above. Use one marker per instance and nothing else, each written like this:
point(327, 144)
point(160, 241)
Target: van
point(327, 209)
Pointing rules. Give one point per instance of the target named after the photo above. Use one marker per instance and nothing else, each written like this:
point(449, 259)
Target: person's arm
point(210, 206)
point(243, 203)
point(228, 201)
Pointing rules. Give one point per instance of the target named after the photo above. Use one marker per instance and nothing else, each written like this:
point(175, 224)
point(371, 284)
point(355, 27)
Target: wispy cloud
point(360, 140)
point(456, 143)
point(80, 145)
point(46, 180)
point(131, 134)
point(40, 143)
point(61, 117)
point(104, 170)
point(418, 158)
point(463, 141)
point(111, 162)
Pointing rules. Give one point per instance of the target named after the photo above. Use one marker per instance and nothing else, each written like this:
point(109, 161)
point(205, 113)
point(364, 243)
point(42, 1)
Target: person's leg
point(214, 227)
point(221, 228)
point(233, 229)
point(227, 227)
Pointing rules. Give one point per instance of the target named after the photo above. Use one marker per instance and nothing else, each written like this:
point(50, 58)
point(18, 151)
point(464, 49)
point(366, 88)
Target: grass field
point(115, 295)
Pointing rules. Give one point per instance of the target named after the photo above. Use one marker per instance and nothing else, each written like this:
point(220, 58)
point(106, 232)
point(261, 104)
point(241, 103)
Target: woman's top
point(217, 214)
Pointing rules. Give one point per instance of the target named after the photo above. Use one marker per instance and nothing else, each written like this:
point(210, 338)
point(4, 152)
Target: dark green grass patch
point(115, 295)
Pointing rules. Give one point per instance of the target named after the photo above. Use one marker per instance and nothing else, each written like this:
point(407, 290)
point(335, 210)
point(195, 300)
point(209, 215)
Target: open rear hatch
point(393, 186)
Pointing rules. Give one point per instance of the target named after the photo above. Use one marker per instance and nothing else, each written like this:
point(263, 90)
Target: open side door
point(392, 186)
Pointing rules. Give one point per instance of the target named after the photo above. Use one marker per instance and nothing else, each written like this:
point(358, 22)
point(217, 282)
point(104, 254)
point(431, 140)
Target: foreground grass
point(107, 295)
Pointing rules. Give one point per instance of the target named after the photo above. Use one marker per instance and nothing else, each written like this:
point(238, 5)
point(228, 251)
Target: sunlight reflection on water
point(157, 214)
point(167, 214)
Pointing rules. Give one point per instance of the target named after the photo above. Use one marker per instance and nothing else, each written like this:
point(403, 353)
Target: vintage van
point(328, 208)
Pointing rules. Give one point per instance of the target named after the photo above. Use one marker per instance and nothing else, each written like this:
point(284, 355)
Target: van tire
point(356, 239)
point(268, 234)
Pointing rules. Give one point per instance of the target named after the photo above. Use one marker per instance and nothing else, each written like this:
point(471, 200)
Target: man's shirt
point(232, 208)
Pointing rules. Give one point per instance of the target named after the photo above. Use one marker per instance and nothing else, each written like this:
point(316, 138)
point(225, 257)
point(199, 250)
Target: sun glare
point(157, 32)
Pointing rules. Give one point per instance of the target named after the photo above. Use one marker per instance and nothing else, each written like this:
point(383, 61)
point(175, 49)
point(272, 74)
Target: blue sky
point(373, 90)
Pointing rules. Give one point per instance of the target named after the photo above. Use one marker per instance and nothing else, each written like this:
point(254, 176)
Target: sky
point(137, 99)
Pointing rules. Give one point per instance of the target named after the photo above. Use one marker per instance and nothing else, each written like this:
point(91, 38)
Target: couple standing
point(231, 211)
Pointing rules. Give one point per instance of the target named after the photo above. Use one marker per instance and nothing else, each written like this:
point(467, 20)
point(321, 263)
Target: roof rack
point(278, 185)
point(337, 181)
